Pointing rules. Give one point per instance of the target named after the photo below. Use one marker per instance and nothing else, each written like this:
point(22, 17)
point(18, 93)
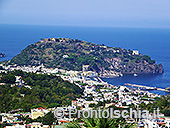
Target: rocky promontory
point(73, 54)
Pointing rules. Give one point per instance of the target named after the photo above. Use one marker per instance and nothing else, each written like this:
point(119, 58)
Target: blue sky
point(109, 13)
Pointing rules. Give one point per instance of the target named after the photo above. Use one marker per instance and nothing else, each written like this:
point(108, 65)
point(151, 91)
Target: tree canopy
point(46, 90)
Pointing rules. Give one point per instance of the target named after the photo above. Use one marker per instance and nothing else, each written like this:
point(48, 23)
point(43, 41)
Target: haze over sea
point(154, 42)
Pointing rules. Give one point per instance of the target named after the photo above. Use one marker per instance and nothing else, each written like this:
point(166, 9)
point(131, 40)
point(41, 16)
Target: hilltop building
point(85, 68)
point(135, 52)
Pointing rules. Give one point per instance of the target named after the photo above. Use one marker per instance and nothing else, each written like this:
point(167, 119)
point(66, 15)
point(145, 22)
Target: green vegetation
point(47, 91)
point(72, 54)
point(100, 123)
point(8, 78)
point(48, 119)
point(162, 103)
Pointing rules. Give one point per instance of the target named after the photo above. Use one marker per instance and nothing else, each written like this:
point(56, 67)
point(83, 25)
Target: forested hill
point(72, 54)
point(41, 90)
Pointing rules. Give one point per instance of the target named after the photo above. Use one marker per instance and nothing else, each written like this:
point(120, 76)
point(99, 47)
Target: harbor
point(142, 87)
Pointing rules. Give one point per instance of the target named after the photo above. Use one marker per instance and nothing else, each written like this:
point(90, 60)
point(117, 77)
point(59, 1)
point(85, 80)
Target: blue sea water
point(154, 42)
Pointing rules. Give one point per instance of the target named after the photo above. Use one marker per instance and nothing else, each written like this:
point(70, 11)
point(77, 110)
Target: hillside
point(72, 54)
point(43, 90)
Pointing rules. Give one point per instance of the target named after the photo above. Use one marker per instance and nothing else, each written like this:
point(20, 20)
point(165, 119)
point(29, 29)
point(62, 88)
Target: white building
point(151, 124)
point(135, 52)
point(89, 89)
point(65, 56)
point(16, 126)
point(167, 121)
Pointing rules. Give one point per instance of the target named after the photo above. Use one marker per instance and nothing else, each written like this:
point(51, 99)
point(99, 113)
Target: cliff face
point(140, 67)
point(72, 54)
point(119, 68)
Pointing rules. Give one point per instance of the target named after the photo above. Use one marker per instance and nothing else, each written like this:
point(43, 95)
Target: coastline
point(131, 75)
point(140, 41)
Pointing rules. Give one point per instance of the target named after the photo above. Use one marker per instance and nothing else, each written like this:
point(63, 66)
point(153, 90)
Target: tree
point(48, 119)
point(100, 103)
point(167, 112)
point(46, 91)
point(52, 105)
point(100, 123)
point(92, 105)
point(8, 78)
point(25, 90)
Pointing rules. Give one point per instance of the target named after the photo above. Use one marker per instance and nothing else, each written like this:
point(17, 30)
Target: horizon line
point(88, 26)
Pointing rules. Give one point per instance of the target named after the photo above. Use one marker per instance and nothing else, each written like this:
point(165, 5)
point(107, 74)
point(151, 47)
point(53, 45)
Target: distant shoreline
point(152, 42)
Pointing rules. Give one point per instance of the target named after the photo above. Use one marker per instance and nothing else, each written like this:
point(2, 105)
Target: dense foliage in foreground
point(101, 123)
point(47, 91)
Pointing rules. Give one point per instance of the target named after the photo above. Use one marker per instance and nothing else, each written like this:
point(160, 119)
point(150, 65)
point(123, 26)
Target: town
point(96, 94)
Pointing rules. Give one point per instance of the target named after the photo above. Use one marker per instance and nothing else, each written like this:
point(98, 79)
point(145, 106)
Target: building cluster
point(96, 94)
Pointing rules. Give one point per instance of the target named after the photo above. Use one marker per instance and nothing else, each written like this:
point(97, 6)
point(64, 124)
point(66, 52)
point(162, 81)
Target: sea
point(154, 42)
